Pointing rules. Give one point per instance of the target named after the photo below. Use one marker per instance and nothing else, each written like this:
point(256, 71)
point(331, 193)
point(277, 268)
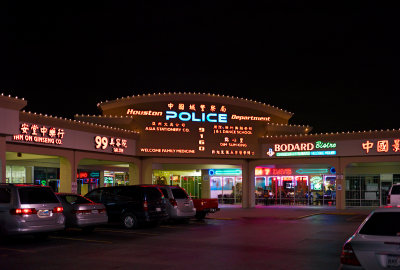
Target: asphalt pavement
point(284, 212)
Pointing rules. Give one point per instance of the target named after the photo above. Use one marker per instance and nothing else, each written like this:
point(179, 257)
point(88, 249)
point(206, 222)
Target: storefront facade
point(237, 150)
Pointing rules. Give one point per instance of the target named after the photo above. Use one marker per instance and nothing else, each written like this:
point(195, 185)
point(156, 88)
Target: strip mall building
point(237, 150)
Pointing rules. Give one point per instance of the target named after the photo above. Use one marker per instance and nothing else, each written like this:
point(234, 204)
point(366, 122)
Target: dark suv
point(131, 205)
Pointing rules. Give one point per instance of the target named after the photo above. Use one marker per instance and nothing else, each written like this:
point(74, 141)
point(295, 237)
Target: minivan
point(131, 205)
point(29, 209)
point(179, 204)
point(394, 195)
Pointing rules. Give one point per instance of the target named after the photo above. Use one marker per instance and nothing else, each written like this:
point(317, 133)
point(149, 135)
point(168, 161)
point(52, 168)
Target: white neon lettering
point(194, 119)
point(203, 117)
point(170, 114)
point(222, 118)
point(211, 115)
point(184, 116)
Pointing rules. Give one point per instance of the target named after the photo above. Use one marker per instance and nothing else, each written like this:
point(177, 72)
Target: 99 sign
point(116, 143)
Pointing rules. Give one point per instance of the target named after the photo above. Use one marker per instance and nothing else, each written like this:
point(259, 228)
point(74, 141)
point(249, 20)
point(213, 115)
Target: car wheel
point(201, 215)
point(130, 221)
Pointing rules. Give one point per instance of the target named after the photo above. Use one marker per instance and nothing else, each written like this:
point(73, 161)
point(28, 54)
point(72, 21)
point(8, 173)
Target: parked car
point(132, 205)
point(205, 206)
point(29, 209)
point(179, 204)
point(375, 244)
point(81, 212)
point(393, 197)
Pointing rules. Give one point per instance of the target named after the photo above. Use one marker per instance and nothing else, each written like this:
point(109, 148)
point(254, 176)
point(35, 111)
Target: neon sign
point(40, 134)
point(306, 153)
point(225, 172)
point(203, 117)
point(302, 149)
point(287, 147)
point(148, 112)
point(198, 128)
point(320, 144)
point(381, 146)
point(311, 171)
point(117, 145)
point(273, 171)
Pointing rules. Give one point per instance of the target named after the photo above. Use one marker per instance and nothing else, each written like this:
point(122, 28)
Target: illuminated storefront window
point(300, 186)
point(226, 185)
point(190, 180)
point(115, 178)
point(15, 174)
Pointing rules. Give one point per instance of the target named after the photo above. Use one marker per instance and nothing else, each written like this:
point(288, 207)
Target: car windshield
point(179, 193)
point(395, 189)
point(33, 195)
point(74, 199)
point(382, 223)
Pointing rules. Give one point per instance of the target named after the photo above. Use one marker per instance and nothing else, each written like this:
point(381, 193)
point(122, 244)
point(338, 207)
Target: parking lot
point(252, 241)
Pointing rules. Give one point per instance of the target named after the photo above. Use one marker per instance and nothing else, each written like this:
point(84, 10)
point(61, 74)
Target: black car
point(131, 205)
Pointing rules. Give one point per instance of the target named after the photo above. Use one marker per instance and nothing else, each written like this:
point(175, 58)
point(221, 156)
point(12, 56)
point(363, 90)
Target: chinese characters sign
point(386, 146)
point(40, 134)
point(117, 145)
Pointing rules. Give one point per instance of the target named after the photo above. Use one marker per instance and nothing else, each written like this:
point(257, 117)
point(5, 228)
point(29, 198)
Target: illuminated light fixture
point(225, 172)
point(306, 153)
point(311, 171)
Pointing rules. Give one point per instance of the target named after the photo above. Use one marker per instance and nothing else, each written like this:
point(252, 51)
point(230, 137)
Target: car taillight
point(348, 256)
point(388, 199)
point(145, 206)
point(82, 212)
point(102, 210)
point(58, 210)
point(173, 202)
point(23, 211)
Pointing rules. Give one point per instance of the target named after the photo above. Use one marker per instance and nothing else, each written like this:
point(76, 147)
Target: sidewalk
point(283, 212)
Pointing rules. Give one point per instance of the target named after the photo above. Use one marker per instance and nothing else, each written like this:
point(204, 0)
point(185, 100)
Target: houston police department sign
point(197, 125)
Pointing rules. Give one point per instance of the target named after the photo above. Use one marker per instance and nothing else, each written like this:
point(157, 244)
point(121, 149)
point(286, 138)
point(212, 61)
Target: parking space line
point(81, 239)
point(128, 232)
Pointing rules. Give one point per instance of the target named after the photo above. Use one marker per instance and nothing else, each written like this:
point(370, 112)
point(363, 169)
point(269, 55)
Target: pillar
point(146, 175)
point(248, 196)
point(2, 159)
point(101, 178)
point(29, 173)
point(134, 177)
point(340, 187)
point(205, 185)
point(67, 176)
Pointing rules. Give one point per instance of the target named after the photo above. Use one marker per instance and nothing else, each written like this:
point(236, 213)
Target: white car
point(376, 242)
point(394, 195)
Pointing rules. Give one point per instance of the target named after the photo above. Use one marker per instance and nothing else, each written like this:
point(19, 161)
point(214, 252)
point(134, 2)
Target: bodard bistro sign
point(318, 148)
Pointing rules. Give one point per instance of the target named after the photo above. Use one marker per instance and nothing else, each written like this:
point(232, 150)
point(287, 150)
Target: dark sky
point(335, 67)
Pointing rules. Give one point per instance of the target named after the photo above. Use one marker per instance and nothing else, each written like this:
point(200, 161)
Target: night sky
point(335, 67)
